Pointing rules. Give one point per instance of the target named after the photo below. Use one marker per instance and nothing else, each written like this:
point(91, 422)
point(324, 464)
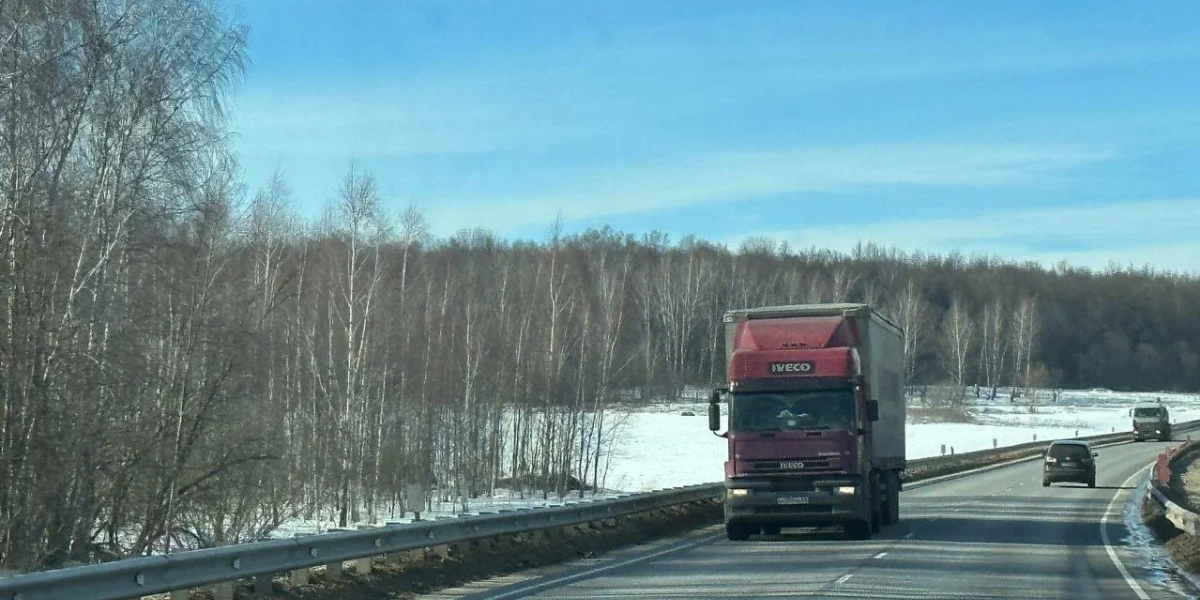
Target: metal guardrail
point(925, 468)
point(137, 577)
point(1182, 518)
point(1159, 489)
point(142, 576)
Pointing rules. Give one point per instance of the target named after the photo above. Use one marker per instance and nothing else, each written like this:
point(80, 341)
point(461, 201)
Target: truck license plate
point(792, 500)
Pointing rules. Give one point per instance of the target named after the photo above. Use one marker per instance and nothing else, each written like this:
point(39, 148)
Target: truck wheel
point(737, 532)
point(1092, 482)
point(885, 504)
point(771, 529)
point(1045, 483)
point(877, 519)
point(891, 502)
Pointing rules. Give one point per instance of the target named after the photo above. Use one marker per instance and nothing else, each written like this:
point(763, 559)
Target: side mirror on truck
point(872, 410)
point(714, 411)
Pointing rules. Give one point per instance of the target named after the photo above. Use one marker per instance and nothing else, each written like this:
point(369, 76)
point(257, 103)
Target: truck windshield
point(1145, 412)
point(775, 411)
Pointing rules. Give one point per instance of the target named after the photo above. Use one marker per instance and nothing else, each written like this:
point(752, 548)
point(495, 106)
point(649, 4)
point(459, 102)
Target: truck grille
point(823, 463)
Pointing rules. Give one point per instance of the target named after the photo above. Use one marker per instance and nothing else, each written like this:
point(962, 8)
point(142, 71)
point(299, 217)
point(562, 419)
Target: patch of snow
point(658, 446)
point(1156, 566)
point(662, 448)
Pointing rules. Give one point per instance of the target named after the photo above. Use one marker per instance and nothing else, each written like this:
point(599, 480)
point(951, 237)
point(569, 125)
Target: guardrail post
point(264, 585)
point(363, 565)
point(300, 577)
point(224, 590)
point(334, 570)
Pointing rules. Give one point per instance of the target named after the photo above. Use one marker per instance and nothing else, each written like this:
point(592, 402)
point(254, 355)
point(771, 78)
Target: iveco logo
point(793, 367)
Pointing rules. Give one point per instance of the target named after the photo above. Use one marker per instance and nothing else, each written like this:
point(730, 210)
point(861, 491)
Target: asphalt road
point(997, 534)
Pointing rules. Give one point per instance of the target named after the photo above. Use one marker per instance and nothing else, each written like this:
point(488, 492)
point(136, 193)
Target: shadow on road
point(1080, 486)
point(802, 534)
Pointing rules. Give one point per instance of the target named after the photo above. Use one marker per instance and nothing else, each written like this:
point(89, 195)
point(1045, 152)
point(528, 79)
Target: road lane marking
point(909, 536)
point(526, 590)
point(880, 555)
point(844, 578)
point(1112, 554)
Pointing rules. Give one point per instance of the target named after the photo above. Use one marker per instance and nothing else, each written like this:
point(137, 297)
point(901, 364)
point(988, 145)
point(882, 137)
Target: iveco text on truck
point(816, 419)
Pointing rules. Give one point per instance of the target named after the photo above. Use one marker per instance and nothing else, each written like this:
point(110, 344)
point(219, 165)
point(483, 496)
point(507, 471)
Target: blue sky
point(1036, 131)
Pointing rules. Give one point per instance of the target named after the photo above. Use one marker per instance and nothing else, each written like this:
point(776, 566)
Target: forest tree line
point(183, 362)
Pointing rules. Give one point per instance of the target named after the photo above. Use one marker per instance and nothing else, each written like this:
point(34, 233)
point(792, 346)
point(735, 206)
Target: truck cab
point(1151, 420)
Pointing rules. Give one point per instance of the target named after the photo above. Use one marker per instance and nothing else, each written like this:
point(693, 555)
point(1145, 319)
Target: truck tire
point(857, 530)
point(895, 496)
point(891, 503)
point(875, 503)
point(737, 532)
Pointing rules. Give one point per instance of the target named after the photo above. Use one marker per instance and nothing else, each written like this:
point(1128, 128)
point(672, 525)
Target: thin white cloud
point(396, 121)
point(638, 76)
point(1160, 233)
point(731, 176)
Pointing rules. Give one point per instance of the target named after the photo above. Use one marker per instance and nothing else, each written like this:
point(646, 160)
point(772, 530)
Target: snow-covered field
point(662, 448)
point(659, 447)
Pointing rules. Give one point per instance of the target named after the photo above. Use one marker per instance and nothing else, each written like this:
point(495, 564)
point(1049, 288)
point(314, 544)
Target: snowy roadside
point(662, 446)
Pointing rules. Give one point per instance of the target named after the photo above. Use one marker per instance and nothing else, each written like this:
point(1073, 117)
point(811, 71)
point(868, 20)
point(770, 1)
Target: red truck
point(816, 419)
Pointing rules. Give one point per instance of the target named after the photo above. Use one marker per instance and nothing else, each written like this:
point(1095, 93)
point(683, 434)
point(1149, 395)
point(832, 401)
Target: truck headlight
point(844, 490)
point(739, 492)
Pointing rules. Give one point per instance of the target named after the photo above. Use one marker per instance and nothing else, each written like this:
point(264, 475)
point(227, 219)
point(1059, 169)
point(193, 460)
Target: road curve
point(997, 534)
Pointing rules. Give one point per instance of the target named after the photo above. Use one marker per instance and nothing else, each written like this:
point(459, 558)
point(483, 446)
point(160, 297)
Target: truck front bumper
point(792, 508)
point(1147, 432)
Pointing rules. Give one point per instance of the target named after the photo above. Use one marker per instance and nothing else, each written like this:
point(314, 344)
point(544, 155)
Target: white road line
point(572, 578)
point(880, 555)
point(909, 536)
point(844, 578)
point(1112, 554)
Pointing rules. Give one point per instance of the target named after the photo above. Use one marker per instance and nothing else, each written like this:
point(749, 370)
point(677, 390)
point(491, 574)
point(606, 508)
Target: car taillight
point(1051, 460)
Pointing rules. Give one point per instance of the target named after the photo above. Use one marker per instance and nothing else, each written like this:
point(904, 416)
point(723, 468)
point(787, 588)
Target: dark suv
point(1069, 460)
